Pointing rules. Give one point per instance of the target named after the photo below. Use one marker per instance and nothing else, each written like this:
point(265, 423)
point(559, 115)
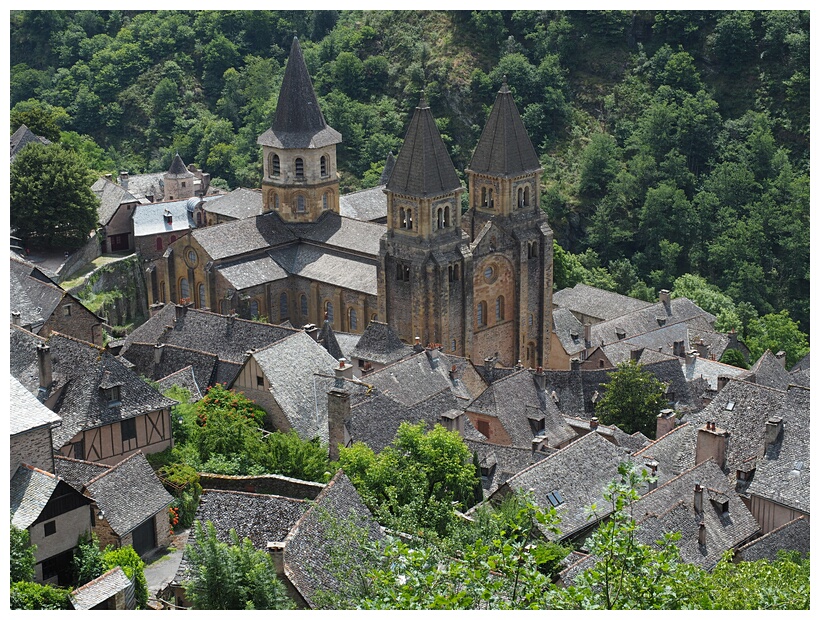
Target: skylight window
point(555, 498)
point(730, 406)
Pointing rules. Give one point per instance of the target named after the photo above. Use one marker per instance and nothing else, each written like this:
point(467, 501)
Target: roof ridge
point(661, 437)
point(249, 493)
point(40, 471)
point(112, 469)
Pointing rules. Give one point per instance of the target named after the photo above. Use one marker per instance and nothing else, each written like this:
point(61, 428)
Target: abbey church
point(477, 284)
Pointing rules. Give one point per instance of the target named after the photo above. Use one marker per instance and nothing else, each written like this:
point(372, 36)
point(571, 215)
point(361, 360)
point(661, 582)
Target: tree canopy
point(632, 399)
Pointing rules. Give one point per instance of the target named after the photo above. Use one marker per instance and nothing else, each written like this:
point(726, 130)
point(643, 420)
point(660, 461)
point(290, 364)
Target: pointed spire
point(178, 167)
point(423, 166)
point(504, 147)
point(298, 121)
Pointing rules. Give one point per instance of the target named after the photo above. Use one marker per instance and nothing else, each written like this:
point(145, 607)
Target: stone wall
point(268, 484)
point(80, 257)
point(32, 448)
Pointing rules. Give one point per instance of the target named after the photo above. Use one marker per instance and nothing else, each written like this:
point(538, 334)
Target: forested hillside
point(672, 142)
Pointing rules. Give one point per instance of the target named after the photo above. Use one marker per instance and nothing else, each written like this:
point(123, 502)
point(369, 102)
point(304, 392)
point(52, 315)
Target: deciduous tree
point(632, 399)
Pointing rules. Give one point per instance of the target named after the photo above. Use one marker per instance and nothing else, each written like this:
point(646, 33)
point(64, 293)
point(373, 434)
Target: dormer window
point(169, 219)
point(112, 395)
point(620, 333)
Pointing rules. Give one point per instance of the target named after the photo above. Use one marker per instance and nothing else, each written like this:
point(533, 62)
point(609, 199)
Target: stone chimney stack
point(158, 353)
point(179, 311)
point(773, 427)
point(698, 498)
point(124, 179)
point(593, 424)
point(588, 335)
point(489, 366)
point(338, 409)
point(575, 364)
point(276, 550)
point(540, 379)
point(44, 366)
point(691, 356)
point(722, 380)
point(453, 373)
point(653, 471)
point(417, 348)
point(663, 296)
point(15, 318)
point(665, 422)
point(781, 357)
point(702, 534)
point(311, 330)
point(433, 357)
point(713, 443)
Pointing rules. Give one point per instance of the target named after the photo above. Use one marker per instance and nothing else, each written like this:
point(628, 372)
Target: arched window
point(439, 218)
point(329, 311)
point(299, 166)
point(520, 197)
point(499, 308)
point(303, 305)
point(484, 197)
point(409, 214)
point(374, 316)
point(199, 218)
point(283, 307)
point(162, 291)
point(352, 320)
point(173, 238)
point(531, 320)
point(323, 165)
point(324, 202)
point(453, 345)
point(402, 218)
point(184, 290)
point(447, 223)
point(300, 204)
point(201, 294)
point(527, 196)
point(254, 307)
point(490, 200)
point(276, 202)
point(481, 313)
point(159, 244)
point(274, 165)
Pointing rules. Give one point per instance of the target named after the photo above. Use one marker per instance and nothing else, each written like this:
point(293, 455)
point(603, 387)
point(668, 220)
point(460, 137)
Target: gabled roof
point(25, 411)
point(129, 494)
point(343, 233)
point(206, 367)
point(569, 330)
point(34, 299)
point(501, 462)
point(423, 167)
point(31, 489)
point(803, 364)
point(596, 302)
point(791, 536)
point(367, 205)
point(327, 338)
point(504, 147)
point(22, 137)
point(142, 185)
point(183, 378)
point(770, 372)
point(78, 473)
point(239, 204)
point(307, 553)
point(298, 122)
point(249, 272)
point(243, 236)
point(111, 196)
point(101, 589)
point(580, 473)
point(329, 266)
point(380, 344)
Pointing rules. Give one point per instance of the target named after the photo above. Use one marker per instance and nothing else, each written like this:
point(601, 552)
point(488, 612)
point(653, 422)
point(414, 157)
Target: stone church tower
point(299, 179)
point(480, 285)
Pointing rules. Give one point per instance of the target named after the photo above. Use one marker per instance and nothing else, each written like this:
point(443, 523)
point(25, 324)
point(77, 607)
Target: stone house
point(112, 590)
point(239, 204)
point(30, 425)
point(114, 214)
point(21, 138)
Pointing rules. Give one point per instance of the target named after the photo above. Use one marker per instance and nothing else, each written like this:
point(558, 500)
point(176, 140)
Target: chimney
point(179, 312)
point(712, 443)
point(722, 380)
point(338, 409)
point(538, 443)
point(158, 354)
point(519, 365)
point(168, 217)
point(653, 472)
point(588, 335)
point(453, 373)
point(417, 348)
point(664, 423)
point(732, 340)
point(311, 330)
point(540, 379)
point(703, 349)
point(593, 424)
point(433, 357)
point(663, 296)
point(124, 179)
point(155, 307)
point(781, 357)
point(678, 349)
point(773, 427)
point(575, 364)
point(698, 498)
point(109, 176)
point(702, 534)
point(15, 318)
point(489, 365)
point(276, 550)
point(453, 420)
point(44, 366)
point(691, 356)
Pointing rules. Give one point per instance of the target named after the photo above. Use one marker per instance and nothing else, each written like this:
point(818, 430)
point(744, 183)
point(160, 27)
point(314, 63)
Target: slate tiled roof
point(380, 344)
point(670, 508)
point(178, 169)
point(298, 121)
point(111, 196)
point(30, 488)
point(423, 166)
point(327, 338)
point(569, 330)
point(308, 546)
point(25, 411)
point(596, 302)
point(229, 338)
point(344, 233)
point(183, 378)
point(81, 370)
point(25, 267)
point(289, 366)
point(347, 342)
point(239, 204)
point(632, 443)
point(710, 371)
point(580, 472)
point(149, 219)
point(23, 357)
point(100, 589)
point(803, 364)
point(78, 473)
point(647, 319)
point(249, 272)
point(769, 372)
point(21, 138)
point(504, 147)
point(129, 494)
point(791, 536)
point(801, 377)
point(502, 462)
point(367, 205)
point(243, 236)
point(205, 366)
point(514, 400)
point(782, 473)
point(34, 299)
point(412, 380)
point(331, 267)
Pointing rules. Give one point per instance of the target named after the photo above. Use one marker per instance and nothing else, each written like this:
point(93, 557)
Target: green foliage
point(133, 567)
point(777, 332)
point(30, 595)
point(51, 200)
point(220, 399)
point(21, 555)
point(415, 483)
point(43, 119)
point(231, 576)
point(781, 584)
point(707, 296)
point(734, 357)
point(87, 563)
point(632, 399)
point(288, 455)
point(599, 165)
point(182, 481)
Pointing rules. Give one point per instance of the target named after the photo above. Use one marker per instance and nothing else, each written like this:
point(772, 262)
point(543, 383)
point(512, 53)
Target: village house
point(111, 591)
point(21, 138)
point(30, 429)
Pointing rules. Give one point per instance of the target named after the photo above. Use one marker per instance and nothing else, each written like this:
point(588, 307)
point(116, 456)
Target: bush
point(134, 569)
point(21, 554)
point(30, 595)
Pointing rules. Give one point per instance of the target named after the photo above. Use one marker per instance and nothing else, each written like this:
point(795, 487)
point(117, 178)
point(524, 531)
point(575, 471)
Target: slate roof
point(178, 169)
point(647, 319)
point(23, 357)
point(129, 494)
point(249, 272)
point(596, 302)
point(503, 462)
point(782, 473)
point(206, 367)
point(78, 473)
point(111, 196)
point(515, 399)
point(670, 508)
point(327, 338)
point(298, 121)
point(243, 236)
point(801, 377)
point(710, 371)
point(239, 204)
point(30, 489)
point(343, 233)
point(101, 589)
point(25, 411)
point(504, 147)
point(183, 378)
point(367, 205)
point(80, 369)
point(289, 366)
point(142, 185)
point(803, 364)
point(632, 443)
point(580, 472)
point(380, 344)
point(149, 218)
point(22, 266)
point(569, 330)
point(423, 166)
point(229, 338)
point(308, 546)
point(347, 342)
point(331, 267)
point(414, 379)
point(791, 536)
point(769, 372)
point(21, 138)
point(34, 299)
